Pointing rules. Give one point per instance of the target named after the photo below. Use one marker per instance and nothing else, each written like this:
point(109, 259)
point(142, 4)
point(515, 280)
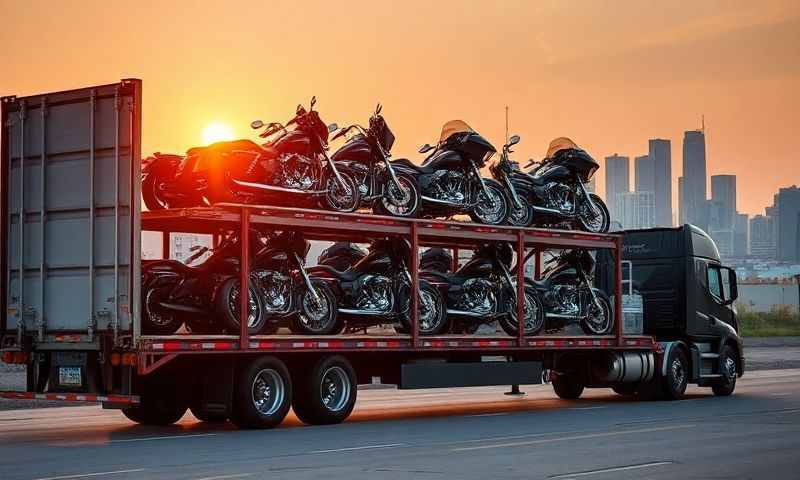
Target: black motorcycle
point(483, 290)
point(568, 295)
point(206, 297)
point(341, 255)
point(365, 156)
point(291, 169)
point(449, 179)
point(377, 290)
point(554, 192)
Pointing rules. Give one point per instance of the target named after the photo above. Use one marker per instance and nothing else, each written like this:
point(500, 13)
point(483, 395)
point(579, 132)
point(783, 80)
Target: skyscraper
point(644, 174)
point(762, 237)
point(787, 208)
point(694, 201)
point(741, 235)
point(660, 154)
point(636, 209)
point(617, 182)
point(723, 197)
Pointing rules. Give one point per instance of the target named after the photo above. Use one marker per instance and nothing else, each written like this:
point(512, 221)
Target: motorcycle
point(554, 192)
point(449, 179)
point(483, 290)
point(290, 169)
point(206, 297)
point(377, 290)
point(341, 255)
point(164, 184)
point(365, 156)
point(567, 293)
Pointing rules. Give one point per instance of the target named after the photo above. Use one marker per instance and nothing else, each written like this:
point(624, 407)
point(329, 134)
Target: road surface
point(475, 433)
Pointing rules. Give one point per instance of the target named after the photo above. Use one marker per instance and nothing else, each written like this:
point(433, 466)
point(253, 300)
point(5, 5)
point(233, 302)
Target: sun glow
point(216, 132)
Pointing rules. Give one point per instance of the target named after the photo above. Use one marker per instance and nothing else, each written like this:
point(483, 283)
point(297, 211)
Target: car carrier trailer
point(71, 257)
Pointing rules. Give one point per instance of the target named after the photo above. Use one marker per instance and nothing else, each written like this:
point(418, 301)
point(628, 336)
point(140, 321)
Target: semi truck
point(71, 293)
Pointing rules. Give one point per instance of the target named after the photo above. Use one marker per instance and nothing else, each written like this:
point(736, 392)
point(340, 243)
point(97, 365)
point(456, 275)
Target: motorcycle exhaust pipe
point(273, 188)
point(551, 211)
point(465, 313)
point(443, 202)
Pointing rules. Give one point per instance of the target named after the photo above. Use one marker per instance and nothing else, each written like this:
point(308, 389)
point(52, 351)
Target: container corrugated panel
point(71, 169)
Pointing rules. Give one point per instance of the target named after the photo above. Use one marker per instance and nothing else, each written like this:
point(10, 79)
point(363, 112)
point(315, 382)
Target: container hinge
point(104, 314)
point(20, 329)
point(38, 319)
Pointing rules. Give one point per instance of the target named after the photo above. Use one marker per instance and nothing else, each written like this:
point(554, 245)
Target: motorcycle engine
point(448, 185)
point(295, 171)
point(564, 299)
point(479, 296)
point(375, 294)
point(276, 290)
point(559, 197)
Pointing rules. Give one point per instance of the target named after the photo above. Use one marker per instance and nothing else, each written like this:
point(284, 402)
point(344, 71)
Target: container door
point(70, 195)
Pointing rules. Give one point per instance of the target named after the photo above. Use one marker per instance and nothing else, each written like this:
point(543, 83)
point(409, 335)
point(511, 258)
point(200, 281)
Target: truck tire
point(326, 394)
point(673, 384)
point(727, 367)
point(625, 389)
point(204, 415)
point(568, 387)
point(262, 393)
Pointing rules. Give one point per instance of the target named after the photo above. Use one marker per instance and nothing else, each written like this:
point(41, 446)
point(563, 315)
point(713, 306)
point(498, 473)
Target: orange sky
point(608, 74)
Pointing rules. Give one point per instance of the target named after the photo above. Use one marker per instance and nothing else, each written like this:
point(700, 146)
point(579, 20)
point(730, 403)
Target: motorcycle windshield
point(560, 143)
point(454, 127)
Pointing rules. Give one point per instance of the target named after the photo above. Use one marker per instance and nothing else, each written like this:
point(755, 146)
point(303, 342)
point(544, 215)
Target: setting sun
point(216, 132)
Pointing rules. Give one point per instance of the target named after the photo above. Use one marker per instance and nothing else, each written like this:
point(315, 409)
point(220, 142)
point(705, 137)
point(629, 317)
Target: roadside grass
point(777, 323)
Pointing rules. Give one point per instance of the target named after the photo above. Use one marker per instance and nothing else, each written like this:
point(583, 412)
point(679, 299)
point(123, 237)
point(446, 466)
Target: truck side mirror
point(733, 291)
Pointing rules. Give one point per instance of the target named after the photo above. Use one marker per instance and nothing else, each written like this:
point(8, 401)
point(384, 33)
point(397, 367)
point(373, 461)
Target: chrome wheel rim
point(268, 391)
point(315, 316)
point(678, 373)
point(341, 197)
point(729, 368)
point(592, 218)
point(599, 319)
point(428, 311)
point(530, 312)
point(400, 201)
point(519, 217)
point(335, 389)
point(156, 318)
point(491, 209)
point(253, 313)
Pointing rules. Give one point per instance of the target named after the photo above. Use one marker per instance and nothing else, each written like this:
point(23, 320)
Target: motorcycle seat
point(423, 169)
point(326, 270)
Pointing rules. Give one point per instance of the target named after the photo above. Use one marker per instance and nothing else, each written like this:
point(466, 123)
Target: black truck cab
point(688, 300)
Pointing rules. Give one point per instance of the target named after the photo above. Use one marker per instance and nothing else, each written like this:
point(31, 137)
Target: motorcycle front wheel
point(152, 194)
point(597, 219)
point(520, 217)
point(399, 202)
point(533, 314)
point(492, 209)
point(600, 318)
point(338, 198)
point(315, 317)
point(432, 313)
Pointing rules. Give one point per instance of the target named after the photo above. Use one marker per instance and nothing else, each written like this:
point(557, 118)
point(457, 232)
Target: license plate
point(70, 376)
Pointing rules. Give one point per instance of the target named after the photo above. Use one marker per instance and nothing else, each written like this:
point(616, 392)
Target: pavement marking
point(172, 437)
point(365, 447)
point(608, 470)
point(489, 414)
point(227, 477)
point(784, 394)
point(585, 408)
point(83, 475)
point(573, 437)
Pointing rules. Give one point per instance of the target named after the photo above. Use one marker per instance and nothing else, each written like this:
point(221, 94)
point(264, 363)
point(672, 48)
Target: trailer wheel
point(327, 393)
point(674, 382)
point(727, 367)
point(625, 389)
point(263, 394)
point(568, 387)
point(157, 408)
point(204, 415)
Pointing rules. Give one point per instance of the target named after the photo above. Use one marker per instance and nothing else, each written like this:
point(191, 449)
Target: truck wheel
point(158, 408)
point(674, 382)
point(204, 415)
point(263, 394)
point(727, 367)
point(327, 394)
point(568, 387)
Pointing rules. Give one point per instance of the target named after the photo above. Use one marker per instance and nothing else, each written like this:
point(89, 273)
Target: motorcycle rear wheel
point(156, 320)
point(338, 200)
point(228, 308)
point(150, 193)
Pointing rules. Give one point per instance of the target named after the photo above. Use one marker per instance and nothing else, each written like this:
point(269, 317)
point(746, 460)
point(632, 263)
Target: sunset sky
point(608, 74)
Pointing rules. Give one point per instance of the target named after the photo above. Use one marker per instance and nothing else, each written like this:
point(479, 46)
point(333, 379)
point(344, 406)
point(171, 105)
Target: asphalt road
point(475, 433)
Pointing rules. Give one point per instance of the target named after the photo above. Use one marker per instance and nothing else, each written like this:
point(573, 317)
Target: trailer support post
point(618, 289)
point(244, 283)
point(520, 288)
point(414, 261)
point(454, 263)
point(537, 268)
